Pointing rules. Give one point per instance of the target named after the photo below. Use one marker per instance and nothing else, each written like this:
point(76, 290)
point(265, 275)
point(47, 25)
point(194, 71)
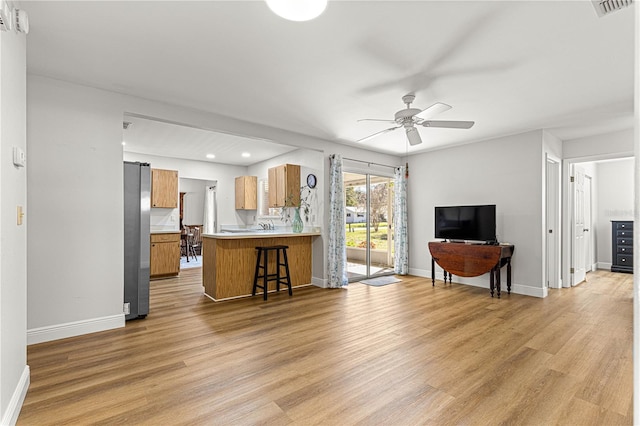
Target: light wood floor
point(404, 353)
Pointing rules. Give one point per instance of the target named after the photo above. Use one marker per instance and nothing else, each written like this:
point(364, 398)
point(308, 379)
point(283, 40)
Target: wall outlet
point(127, 308)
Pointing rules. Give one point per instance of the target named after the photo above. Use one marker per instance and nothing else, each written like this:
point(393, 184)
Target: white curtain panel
point(210, 210)
point(401, 240)
point(337, 259)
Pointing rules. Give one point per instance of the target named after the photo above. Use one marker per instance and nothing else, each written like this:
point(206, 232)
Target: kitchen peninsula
point(229, 260)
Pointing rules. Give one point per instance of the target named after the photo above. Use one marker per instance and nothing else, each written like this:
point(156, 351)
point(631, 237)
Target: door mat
point(381, 281)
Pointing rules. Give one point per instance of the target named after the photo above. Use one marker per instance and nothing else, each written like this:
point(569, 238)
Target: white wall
point(610, 145)
point(75, 196)
point(75, 240)
point(193, 200)
point(614, 187)
point(204, 170)
point(505, 171)
point(14, 372)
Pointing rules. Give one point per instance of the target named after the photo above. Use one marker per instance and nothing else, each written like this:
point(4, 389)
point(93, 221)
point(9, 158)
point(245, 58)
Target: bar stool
point(264, 268)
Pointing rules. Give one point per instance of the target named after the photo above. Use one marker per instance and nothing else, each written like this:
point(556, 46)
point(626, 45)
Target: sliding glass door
point(368, 220)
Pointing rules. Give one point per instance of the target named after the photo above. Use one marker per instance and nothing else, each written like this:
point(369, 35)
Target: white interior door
point(588, 225)
point(553, 223)
point(579, 243)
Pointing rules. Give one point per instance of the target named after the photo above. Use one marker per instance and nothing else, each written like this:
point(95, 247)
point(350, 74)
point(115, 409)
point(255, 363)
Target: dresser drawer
point(624, 225)
point(625, 241)
point(625, 260)
point(628, 233)
point(625, 249)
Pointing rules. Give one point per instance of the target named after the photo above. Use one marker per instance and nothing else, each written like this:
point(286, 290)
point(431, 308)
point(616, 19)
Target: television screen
point(471, 223)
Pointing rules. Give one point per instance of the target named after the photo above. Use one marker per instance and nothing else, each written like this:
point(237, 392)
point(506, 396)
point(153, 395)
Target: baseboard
point(76, 328)
point(420, 272)
point(525, 290)
point(319, 282)
point(10, 416)
point(604, 265)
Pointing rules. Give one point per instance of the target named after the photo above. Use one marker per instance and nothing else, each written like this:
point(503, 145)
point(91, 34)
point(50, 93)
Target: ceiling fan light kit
point(297, 10)
point(409, 118)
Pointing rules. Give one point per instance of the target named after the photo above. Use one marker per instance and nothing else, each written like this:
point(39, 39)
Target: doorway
point(368, 222)
point(604, 186)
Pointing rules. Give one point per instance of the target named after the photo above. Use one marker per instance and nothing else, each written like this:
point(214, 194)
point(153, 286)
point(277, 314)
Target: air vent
point(605, 7)
point(126, 124)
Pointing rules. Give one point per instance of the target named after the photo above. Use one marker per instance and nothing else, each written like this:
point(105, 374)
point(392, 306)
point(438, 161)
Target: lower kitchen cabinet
point(165, 255)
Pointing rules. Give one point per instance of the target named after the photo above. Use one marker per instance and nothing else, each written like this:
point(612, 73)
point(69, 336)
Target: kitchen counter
point(165, 231)
point(258, 234)
point(229, 260)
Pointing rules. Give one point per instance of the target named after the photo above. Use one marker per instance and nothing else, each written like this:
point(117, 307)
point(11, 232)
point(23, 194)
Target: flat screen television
point(468, 223)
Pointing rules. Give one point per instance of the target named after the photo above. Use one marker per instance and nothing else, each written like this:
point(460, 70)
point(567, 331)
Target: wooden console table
point(472, 260)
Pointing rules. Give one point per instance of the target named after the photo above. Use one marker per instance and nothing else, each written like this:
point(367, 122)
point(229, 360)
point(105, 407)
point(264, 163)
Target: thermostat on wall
point(19, 157)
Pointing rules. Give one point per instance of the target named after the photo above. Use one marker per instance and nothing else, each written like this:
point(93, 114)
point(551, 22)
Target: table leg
point(491, 279)
point(433, 273)
point(450, 276)
point(498, 279)
point(509, 275)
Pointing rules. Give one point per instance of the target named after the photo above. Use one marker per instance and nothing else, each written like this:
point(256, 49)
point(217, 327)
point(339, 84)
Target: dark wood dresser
point(622, 245)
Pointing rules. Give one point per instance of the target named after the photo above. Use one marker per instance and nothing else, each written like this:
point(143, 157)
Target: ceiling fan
point(409, 118)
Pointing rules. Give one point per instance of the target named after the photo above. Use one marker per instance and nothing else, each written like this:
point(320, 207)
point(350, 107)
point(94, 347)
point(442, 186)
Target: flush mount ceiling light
point(297, 10)
point(210, 156)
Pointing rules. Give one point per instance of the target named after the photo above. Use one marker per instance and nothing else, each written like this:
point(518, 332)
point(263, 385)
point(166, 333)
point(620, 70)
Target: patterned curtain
point(337, 259)
point(401, 242)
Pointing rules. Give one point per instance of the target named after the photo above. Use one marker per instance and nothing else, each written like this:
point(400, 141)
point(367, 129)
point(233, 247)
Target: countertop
point(174, 231)
point(259, 234)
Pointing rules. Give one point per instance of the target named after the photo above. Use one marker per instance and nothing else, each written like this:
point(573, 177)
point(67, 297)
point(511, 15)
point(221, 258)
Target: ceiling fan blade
point(434, 109)
point(413, 136)
point(378, 133)
point(448, 124)
point(377, 119)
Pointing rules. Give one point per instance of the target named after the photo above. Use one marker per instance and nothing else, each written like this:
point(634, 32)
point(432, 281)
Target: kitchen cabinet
point(246, 193)
point(284, 186)
point(164, 188)
point(165, 255)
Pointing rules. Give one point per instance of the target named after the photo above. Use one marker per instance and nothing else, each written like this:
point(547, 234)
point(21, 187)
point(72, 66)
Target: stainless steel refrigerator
point(137, 209)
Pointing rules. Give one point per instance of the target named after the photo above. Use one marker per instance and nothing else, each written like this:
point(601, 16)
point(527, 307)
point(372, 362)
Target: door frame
point(552, 228)
point(567, 205)
point(367, 172)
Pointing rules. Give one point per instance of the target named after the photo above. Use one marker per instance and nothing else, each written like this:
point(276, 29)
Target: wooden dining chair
point(196, 241)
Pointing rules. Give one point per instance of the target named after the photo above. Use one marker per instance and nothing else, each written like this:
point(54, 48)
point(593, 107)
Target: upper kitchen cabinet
point(246, 193)
point(164, 188)
point(284, 186)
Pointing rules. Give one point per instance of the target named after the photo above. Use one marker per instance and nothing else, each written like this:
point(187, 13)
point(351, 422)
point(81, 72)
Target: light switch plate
point(19, 157)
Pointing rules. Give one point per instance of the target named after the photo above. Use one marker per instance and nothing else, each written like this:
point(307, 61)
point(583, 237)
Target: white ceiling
point(152, 136)
point(510, 66)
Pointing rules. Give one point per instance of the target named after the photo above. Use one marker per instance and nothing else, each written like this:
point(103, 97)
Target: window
point(263, 201)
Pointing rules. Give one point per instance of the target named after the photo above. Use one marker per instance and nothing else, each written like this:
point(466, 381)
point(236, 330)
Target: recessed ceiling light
point(297, 10)
point(211, 156)
point(246, 154)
